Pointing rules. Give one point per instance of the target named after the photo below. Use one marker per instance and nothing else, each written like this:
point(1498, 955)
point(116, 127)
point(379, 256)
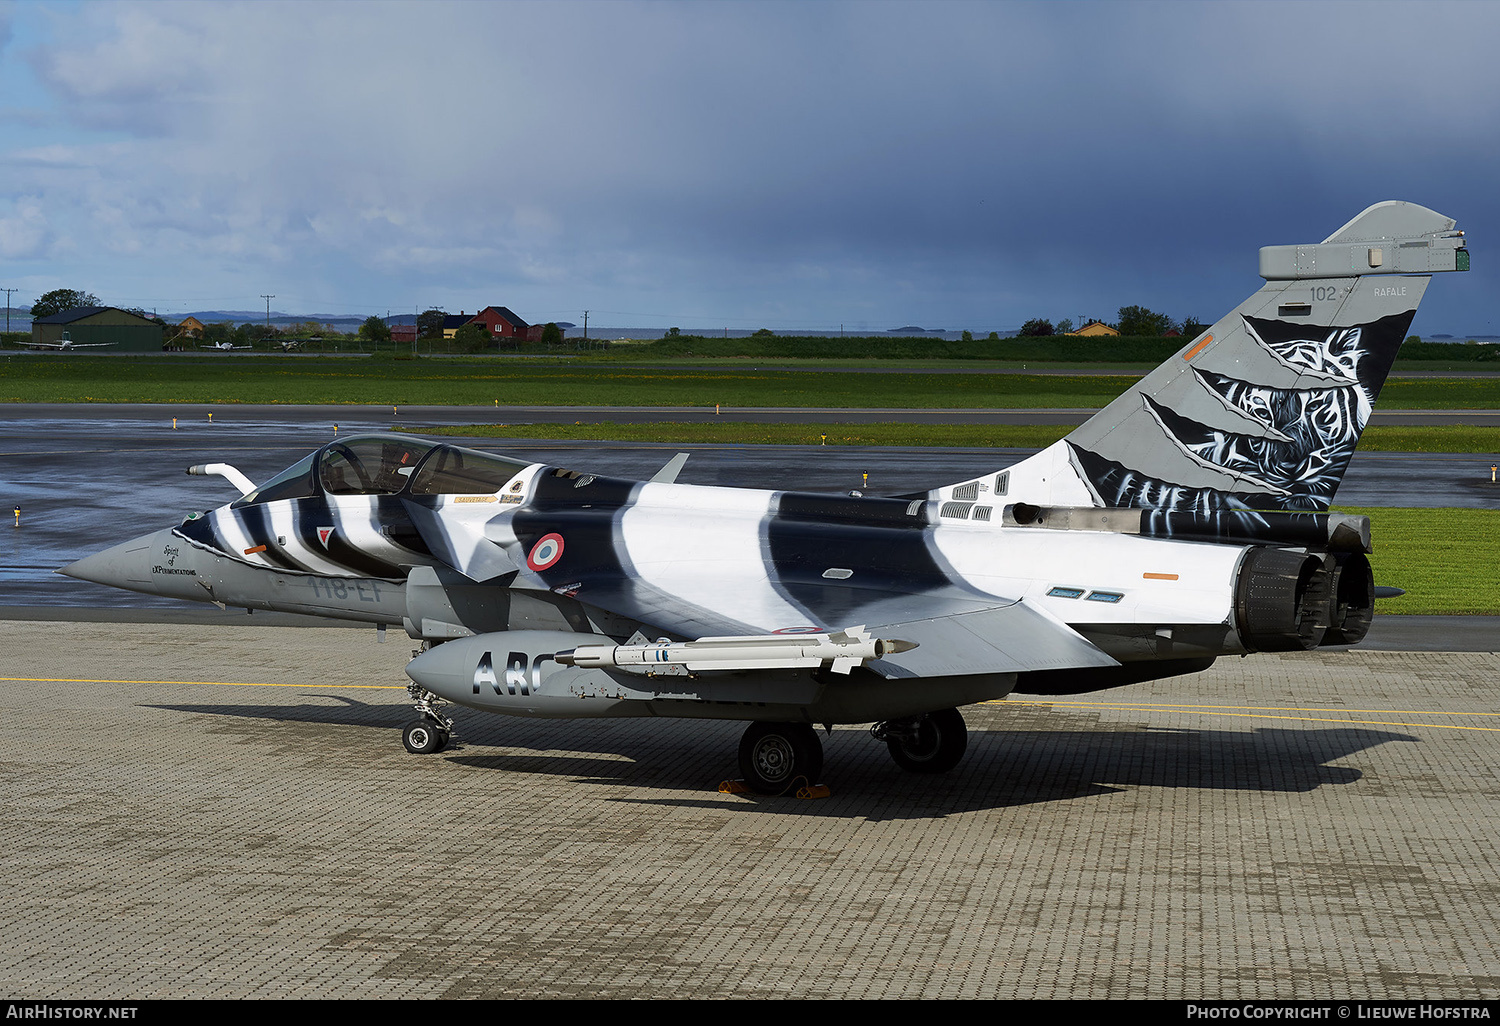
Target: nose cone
point(448, 670)
point(139, 565)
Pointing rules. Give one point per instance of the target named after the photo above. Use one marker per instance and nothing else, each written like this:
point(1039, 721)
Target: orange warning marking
point(1198, 348)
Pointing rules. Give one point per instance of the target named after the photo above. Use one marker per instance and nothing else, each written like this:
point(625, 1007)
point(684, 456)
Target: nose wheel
point(424, 737)
point(430, 732)
point(776, 757)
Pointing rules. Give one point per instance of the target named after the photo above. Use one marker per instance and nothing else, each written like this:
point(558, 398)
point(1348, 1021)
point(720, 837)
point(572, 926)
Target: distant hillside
point(346, 322)
point(277, 317)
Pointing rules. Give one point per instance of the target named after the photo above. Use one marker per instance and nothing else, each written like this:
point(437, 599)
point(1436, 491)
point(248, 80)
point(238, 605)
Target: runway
point(84, 482)
point(228, 812)
point(21, 413)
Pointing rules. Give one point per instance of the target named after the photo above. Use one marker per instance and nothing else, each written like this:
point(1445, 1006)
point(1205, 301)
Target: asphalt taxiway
point(86, 477)
point(521, 414)
point(227, 811)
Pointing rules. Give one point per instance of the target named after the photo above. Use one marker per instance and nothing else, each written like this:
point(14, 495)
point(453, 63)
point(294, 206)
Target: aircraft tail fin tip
point(1264, 409)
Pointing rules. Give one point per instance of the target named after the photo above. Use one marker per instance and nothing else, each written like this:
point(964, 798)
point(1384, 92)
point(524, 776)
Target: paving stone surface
point(222, 811)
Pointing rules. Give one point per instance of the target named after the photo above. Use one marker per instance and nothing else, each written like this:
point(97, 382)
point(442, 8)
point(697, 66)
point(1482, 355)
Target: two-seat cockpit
point(388, 465)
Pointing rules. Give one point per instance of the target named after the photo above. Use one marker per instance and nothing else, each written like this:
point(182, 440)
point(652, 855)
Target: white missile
point(844, 649)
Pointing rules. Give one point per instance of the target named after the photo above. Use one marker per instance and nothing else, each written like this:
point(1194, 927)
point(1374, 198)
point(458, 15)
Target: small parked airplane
point(223, 346)
point(1187, 520)
point(68, 344)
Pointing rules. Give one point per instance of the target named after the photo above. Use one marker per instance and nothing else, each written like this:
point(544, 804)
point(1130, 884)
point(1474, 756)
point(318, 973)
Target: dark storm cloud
point(948, 164)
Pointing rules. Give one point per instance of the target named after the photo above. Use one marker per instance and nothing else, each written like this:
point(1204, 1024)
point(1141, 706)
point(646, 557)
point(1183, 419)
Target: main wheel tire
point(940, 742)
point(423, 737)
point(775, 757)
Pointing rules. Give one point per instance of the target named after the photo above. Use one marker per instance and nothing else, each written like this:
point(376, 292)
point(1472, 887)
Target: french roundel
point(547, 551)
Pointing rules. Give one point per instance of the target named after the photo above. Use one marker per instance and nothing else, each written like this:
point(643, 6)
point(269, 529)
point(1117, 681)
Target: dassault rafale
point(1189, 519)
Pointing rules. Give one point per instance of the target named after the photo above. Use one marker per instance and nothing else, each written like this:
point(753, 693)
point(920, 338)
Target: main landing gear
point(779, 757)
point(930, 743)
point(776, 757)
point(430, 732)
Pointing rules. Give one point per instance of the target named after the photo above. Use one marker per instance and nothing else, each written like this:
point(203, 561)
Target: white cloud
point(23, 230)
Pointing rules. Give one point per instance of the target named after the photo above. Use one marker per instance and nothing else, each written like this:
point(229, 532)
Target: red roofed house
point(500, 322)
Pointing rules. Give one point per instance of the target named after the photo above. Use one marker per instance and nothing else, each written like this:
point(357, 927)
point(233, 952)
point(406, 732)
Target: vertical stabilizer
point(1263, 410)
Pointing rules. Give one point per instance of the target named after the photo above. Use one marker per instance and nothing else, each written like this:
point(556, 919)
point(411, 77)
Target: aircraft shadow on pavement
point(1002, 767)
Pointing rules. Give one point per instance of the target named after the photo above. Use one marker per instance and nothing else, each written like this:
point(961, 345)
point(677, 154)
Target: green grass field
point(50, 377)
point(1446, 559)
point(331, 380)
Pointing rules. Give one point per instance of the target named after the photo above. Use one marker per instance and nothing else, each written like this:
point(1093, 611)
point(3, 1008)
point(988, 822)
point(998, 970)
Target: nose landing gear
point(430, 732)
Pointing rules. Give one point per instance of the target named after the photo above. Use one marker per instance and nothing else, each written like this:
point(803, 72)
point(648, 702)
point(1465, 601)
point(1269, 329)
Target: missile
point(844, 650)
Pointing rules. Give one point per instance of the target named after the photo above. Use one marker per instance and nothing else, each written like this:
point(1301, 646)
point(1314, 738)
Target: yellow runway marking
point(215, 683)
point(1265, 712)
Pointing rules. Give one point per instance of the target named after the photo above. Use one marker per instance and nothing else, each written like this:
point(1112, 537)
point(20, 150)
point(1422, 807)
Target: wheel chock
point(805, 791)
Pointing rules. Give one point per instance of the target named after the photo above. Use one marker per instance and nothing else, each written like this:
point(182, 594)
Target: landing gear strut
point(775, 757)
point(430, 731)
point(931, 743)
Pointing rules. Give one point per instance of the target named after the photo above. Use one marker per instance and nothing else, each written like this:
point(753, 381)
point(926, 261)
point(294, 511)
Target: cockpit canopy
point(388, 465)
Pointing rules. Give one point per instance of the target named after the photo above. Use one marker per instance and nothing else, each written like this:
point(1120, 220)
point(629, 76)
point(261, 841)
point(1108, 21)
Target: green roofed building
point(95, 325)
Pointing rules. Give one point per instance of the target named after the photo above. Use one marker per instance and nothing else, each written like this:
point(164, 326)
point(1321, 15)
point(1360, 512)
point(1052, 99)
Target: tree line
point(374, 330)
point(1132, 320)
point(60, 300)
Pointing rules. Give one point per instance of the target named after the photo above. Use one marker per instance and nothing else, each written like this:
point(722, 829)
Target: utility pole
point(585, 328)
point(268, 307)
point(7, 307)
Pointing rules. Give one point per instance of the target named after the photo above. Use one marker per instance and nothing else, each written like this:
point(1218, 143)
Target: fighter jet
point(1187, 520)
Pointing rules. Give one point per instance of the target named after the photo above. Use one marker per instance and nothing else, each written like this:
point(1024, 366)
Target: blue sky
point(950, 165)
